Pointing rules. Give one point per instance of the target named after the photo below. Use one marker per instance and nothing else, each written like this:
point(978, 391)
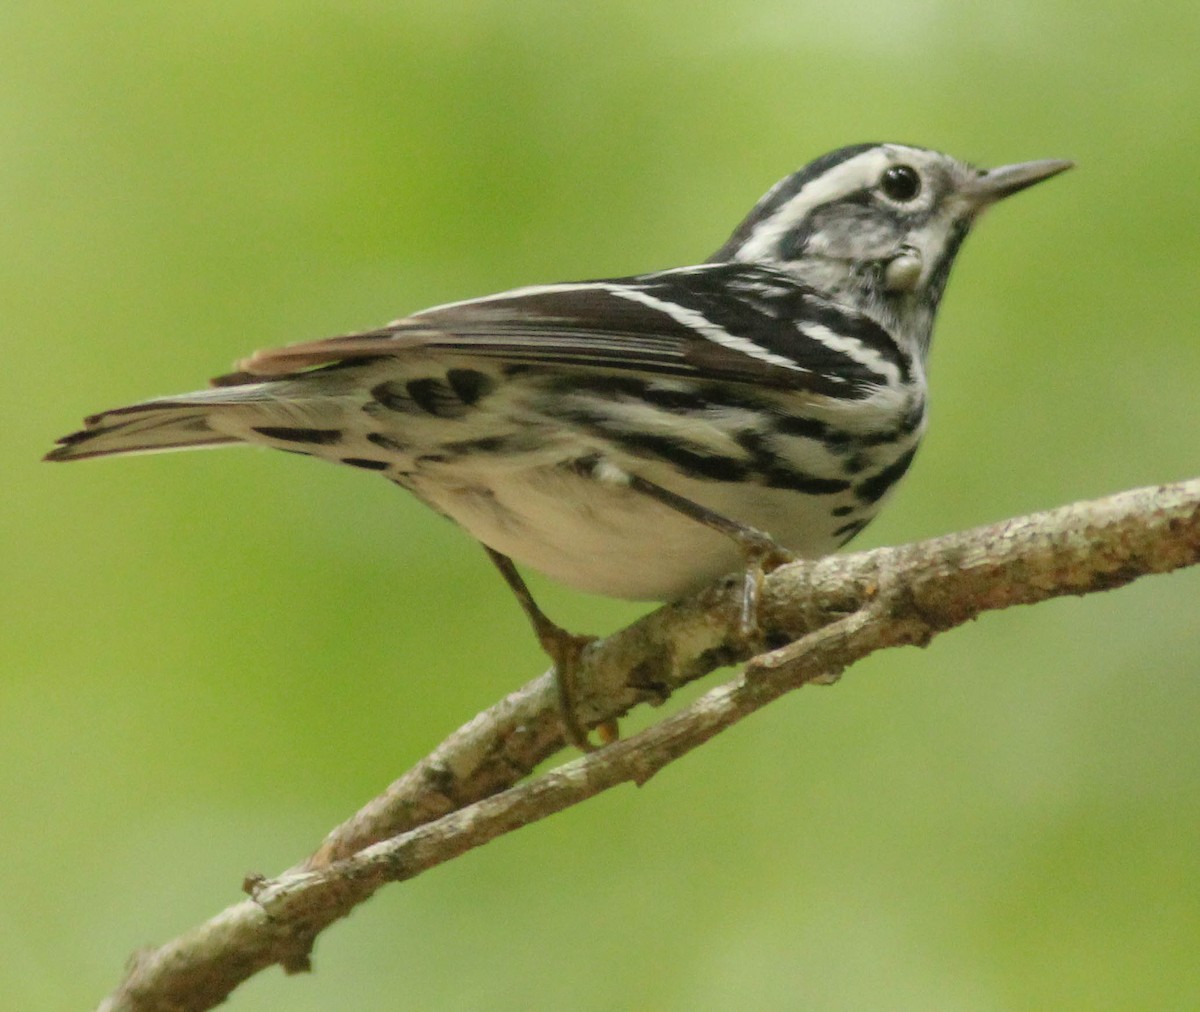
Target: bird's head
point(880, 222)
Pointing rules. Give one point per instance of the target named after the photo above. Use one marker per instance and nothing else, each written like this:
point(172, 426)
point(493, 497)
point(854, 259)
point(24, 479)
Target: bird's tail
point(168, 423)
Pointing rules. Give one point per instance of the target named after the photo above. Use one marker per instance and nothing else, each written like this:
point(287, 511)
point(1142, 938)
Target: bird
point(639, 437)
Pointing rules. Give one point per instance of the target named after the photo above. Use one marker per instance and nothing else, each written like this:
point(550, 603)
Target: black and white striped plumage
point(781, 385)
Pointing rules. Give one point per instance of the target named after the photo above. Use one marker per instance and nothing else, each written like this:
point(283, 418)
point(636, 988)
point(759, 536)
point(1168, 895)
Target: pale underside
point(528, 496)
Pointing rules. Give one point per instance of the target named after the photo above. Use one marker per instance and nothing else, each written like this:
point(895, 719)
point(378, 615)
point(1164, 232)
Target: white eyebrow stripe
point(844, 178)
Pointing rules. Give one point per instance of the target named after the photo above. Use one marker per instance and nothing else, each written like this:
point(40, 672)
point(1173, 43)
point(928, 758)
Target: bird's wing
point(731, 322)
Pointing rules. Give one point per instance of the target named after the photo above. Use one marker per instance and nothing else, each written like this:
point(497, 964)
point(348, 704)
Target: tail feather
point(229, 413)
point(150, 427)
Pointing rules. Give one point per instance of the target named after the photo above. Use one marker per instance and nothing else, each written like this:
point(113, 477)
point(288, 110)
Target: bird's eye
point(901, 182)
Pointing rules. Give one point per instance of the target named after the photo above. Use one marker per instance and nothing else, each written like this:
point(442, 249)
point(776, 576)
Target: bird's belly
point(608, 539)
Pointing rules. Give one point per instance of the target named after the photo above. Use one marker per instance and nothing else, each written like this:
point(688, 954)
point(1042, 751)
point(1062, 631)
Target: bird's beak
point(995, 184)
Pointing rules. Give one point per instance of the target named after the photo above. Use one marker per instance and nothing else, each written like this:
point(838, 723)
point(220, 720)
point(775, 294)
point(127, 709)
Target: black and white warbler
point(632, 437)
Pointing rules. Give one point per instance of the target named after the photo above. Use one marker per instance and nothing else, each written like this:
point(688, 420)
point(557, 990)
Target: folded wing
point(717, 322)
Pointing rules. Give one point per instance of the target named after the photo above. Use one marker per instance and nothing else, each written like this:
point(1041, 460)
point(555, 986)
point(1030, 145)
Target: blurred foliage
point(208, 659)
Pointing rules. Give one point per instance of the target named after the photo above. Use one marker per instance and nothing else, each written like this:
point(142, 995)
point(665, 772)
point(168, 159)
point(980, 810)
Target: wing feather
point(717, 321)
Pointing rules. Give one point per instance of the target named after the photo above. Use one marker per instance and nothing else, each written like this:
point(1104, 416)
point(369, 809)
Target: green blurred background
point(209, 659)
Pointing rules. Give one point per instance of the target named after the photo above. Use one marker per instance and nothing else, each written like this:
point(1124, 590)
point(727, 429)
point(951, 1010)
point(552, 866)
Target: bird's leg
point(763, 553)
point(564, 649)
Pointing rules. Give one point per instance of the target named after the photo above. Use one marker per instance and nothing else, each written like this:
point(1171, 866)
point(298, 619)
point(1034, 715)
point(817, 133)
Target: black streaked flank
point(799, 425)
point(691, 462)
point(873, 489)
point(798, 481)
point(469, 384)
point(485, 444)
point(393, 395)
point(365, 464)
point(688, 398)
point(769, 468)
point(436, 397)
point(290, 434)
point(908, 424)
point(855, 463)
point(448, 398)
point(386, 442)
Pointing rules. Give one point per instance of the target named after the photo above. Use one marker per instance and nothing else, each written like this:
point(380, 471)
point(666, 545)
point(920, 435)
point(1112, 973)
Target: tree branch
point(819, 617)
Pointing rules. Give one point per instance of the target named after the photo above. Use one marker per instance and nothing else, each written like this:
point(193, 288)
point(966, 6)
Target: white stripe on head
point(859, 172)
